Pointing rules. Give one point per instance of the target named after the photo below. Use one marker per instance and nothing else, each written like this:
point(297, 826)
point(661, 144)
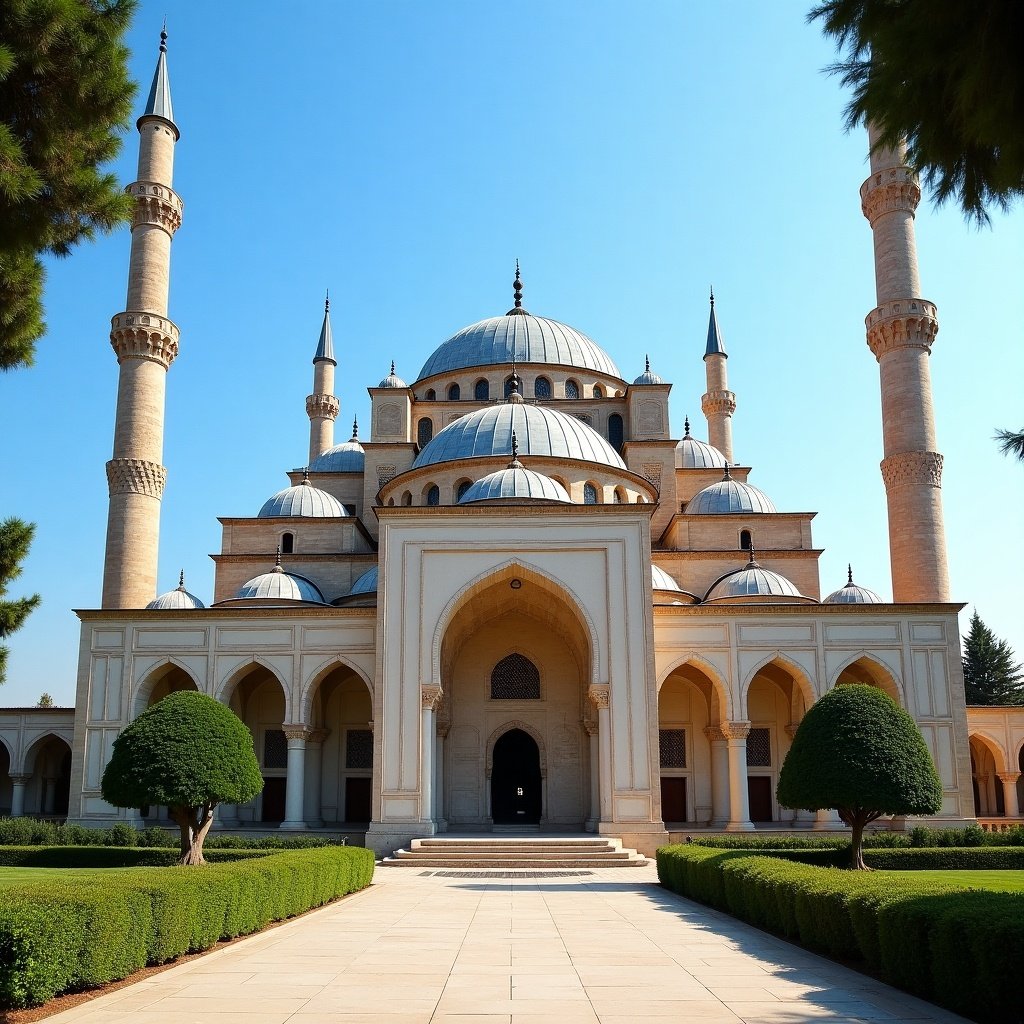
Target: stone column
point(442, 733)
point(1010, 802)
point(18, 783)
point(294, 796)
point(312, 805)
point(599, 697)
point(429, 697)
point(739, 803)
point(719, 775)
point(595, 768)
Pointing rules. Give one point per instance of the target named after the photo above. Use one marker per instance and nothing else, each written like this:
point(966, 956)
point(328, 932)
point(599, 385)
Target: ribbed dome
point(392, 380)
point(852, 594)
point(366, 584)
point(541, 431)
point(279, 585)
point(694, 454)
point(752, 581)
point(302, 500)
point(729, 496)
point(176, 600)
point(647, 377)
point(342, 458)
point(524, 338)
point(515, 482)
point(661, 580)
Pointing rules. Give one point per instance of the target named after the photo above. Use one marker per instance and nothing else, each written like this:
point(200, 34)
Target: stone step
point(459, 855)
point(548, 863)
point(516, 844)
point(487, 852)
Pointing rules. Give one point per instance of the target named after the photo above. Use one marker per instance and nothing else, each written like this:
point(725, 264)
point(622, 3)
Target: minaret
point(900, 332)
point(146, 343)
point(719, 403)
point(321, 406)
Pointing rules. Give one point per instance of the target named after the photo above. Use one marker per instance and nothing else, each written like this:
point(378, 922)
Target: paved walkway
point(609, 947)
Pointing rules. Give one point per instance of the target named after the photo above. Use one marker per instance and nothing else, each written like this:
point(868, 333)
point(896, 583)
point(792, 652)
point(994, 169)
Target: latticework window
point(572, 389)
point(542, 388)
point(598, 392)
point(515, 678)
point(672, 743)
point(759, 748)
point(589, 494)
point(424, 431)
point(358, 748)
point(275, 749)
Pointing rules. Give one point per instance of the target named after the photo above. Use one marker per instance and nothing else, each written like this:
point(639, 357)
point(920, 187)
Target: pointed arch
point(992, 745)
point(10, 752)
point(229, 682)
point(880, 674)
point(153, 677)
point(320, 673)
point(506, 727)
point(798, 673)
point(718, 683)
point(32, 750)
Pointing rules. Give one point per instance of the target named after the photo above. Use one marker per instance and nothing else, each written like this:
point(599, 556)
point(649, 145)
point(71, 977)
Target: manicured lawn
point(995, 881)
point(19, 876)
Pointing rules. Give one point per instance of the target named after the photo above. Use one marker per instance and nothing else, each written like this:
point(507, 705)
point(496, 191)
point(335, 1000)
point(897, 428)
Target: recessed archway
point(166, 678)
point(987, 763)
point(516, 779)
point(48, 765)
point(870, 671)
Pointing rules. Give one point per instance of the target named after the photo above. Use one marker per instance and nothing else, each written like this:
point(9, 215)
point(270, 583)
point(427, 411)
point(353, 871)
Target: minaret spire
point(517, 294)
point(718, 403)
point(900, 330)
point(322, 407)
point(146, 343)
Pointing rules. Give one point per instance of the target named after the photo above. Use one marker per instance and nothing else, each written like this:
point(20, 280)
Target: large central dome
point(539, 431)
point(524, 338)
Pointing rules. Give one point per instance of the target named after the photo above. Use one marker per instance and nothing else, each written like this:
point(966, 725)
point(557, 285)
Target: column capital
point(317, 735)
point(599, 696)
point(589, 727)
point(430, 696)
point(736, 730)
point(714, 733)
point(1008, 777)
point(20, 778)
point(295, 732)
point(791, 729)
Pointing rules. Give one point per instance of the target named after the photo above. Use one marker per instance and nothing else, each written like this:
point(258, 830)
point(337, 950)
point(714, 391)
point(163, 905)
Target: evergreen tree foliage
point(1011, 442)
point(947, 77)
point(991, 676)
point(15, 540)
point(858, 752)
point(187, 752)
point(64, 93)
point(45, 701)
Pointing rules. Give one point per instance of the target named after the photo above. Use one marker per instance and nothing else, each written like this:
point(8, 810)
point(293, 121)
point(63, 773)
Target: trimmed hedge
point(960, 948)
point(108, 857)
point(987, 858)
point(60, 936)
point(917, 838)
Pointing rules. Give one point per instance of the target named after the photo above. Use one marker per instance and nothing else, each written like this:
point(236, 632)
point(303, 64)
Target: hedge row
point(108, 857)
point(962, 949)
point(917, 838)
point(33, 832)
point(57, 936)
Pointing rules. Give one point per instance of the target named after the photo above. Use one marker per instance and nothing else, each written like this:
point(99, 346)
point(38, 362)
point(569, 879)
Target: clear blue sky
point(404, 154)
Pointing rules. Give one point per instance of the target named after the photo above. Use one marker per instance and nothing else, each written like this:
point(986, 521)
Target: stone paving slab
point(422, 949)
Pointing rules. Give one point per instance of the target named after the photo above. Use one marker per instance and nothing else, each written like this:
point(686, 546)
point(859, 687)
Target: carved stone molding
point(156, 204)
point(714, 733)
point(141, 335)
point(714, 402)
point(430, 696)
point(889, 191)
point(912, 468)
point(20, 778)
point(385, 474)
point(317, 735)
point(1010, 777)
point(901, 323)
point(599, 697)
point(295, 732)
point(736, 730)
point(324, 407)
point(136, 476)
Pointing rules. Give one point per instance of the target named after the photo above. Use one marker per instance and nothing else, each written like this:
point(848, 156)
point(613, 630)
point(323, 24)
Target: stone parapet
point(715, 402)
point(136, 334)
point(156, 204)
point(901, 323)
point(322, 406)
point(136, 476)
point(892, 190)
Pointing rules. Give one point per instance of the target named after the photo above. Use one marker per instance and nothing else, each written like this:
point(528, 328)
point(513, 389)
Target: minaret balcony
point(901, 323)
point(894, 189)
point(156, 204)
point(142, 335)
point(322, 406)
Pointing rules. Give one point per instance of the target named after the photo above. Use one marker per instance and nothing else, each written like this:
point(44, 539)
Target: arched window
point(615, 430)
point(745, 540)
point(424, 431)
point(481, 390)
point(542, 388)
point(407, 498)
point(515, 678)
point(391, 501)
point(462, 488)
point(287, 543)
point(572, 389)
point(589, 494)
point(430, 396)
point(508, 386)
point(598, 391)
point(454, 392)
point(433, 495)
point(620, 496)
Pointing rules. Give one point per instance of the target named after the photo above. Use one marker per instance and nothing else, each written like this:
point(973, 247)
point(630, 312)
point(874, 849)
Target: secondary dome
point(851, 593)
point(176, 600)
point(302, 500)
point(278, 585)
point(523, 338)
point(694, 454)
point(540, 430)
point(515, 482)
point(753, 581)
point(661, 580)
point(647, 377)
point(392, 380)
point(729, 496)
point(342, 458)
point(366, 584)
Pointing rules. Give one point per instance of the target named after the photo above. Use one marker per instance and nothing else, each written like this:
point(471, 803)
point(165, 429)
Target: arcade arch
point(168, 677)
point(864, 668)
point(47, 763)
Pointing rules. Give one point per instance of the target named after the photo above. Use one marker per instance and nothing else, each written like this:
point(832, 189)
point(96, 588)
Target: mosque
point(516, 601)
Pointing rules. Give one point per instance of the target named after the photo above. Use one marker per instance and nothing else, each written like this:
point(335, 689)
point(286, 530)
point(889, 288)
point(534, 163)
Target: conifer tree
point(991, 676)
point(15, 539)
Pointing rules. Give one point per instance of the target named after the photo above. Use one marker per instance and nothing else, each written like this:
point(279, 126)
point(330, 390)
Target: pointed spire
point(515, 463)
point(686, 427)
point(325, 346)
point(517, 294)
point(159, 102)
point(277, 563)
point(715, 346)
point(181, 580)
point(849, 575)
point(355, 429)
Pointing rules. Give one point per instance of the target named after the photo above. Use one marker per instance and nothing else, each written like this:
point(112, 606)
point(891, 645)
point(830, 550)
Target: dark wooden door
point(759, 792)
point(358, 800)
point(673, 798)
point(273, 799)
point(516, 780)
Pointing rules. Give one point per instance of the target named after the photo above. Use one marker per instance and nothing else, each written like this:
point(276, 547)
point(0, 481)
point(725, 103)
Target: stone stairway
point(501, 853)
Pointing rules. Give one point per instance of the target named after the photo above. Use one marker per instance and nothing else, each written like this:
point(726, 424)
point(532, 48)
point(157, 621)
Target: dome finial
point(515, 463)
point(305, 475)
point(712, 295)
point(327, 300)
point(751, 560)
point(517, 294)
point(686, 426)
point(181, 580)
point(647, 363)
point(849, 574)
point(513, 383)
point(392, 367)
point(728, 475)
point(355, 429)
point(277, 562)
point(163, 36)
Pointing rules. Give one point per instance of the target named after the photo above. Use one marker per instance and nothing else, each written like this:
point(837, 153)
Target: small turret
point(322, 407)
point(718, 403)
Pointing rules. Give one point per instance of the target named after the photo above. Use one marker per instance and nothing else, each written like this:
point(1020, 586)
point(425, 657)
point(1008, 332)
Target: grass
point(19, 876)
point(993, 881)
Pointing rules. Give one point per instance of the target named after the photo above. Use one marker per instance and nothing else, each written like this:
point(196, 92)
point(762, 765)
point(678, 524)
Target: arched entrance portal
point(516, 780)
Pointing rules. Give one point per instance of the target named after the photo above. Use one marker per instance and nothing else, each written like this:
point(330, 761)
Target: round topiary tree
point(858, 752)
point(188, 752)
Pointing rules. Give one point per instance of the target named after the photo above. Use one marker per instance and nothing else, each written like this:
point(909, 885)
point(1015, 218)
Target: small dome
point(753, 581)
point(366, 584)
point(647, 377)
point(694, 454)
point(729, 496)
point(852, 594)
point(515, 482)
point(302, 500)
point(392, 380)
point(342, 458)
point(278, 585)
point(176, 600)
point(661, 580)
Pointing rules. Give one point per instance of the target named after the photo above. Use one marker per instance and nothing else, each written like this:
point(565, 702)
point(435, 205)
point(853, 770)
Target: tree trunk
point(857, 845)
point(193, 824)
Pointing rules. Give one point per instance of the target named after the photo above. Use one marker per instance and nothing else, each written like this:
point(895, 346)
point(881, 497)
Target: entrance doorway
point(515, 780)
point(759, 793)
point(273, 799)
point(673, 798)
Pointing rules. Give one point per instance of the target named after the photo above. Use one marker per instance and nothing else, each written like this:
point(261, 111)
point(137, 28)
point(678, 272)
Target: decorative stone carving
point(389, 420)
point(652, 473)
point(599, 697)
point(1010, 777)
point(735, 730)
point(901, 323)
point(713, 402)
point(651, 421)
point(889, 191)
point(317, 735)
point(156, 204)
point(136, 476)
point(324, 407)
point(139, 335)
point(714, 733)
point(430, 696)
point(385, 474)
point(912, 468)
point(295, 732)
